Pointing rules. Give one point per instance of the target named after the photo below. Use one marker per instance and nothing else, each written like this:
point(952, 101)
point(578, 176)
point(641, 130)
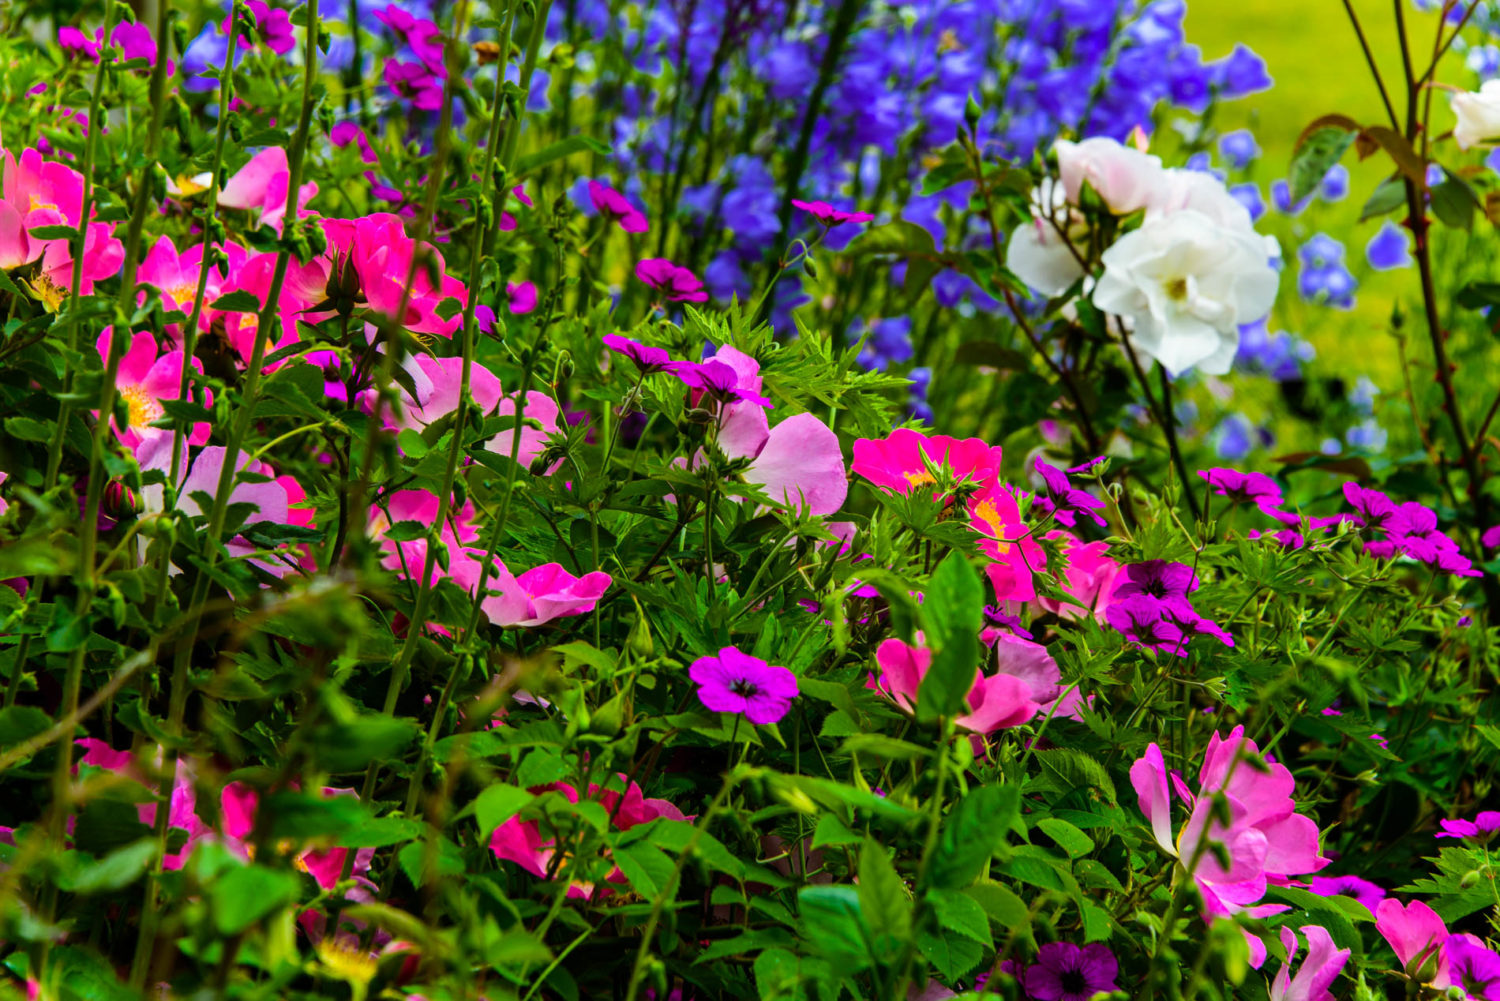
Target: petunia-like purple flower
point(613, 205)
point(1157, 579)
point(1472, 966)
point(646, 358)
point(412, 81)
point(1141, 618)
point(1367, 893)
point(718, 381)
point(1491, 537)
point(1064, 501)
point(678, 283)
point(735, 682)
point(830, 216)
point(1066, 972)
point(1484, 824)
point(1243, 488)
point(1181, 615)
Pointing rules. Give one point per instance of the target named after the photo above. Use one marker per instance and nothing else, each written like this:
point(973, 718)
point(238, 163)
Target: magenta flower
point(720, 382)
point(1064, 501)
point(344, 133)
point(1367, 893)
point(646, 358)
point(735, 682)
point(1484, 824)
point(1319, 968)
point(1142, 619)
point(900, 461)
point(1415, 933)
point(613, 205)
point(415, 83)
point(677, 284)
point(1243, 488)
point(1157, 579)
point(830, 216)
point(1027, 677)
point(1473, 967)
point(1374, 508)
point(521, 296)
point(1090, 578)
point(1066, 972)
point(144, 380)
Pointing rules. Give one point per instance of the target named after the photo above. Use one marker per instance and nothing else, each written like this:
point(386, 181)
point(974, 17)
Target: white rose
point(1478, 115)
point(1125, 178)
point(1038, 253)
point(1204, 193)
point(1186, 284)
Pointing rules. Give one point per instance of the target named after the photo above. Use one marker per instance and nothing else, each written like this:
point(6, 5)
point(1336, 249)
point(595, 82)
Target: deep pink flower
point(1374, 508)
point(1066, 972)
point(1090, 578)
point(613, 205)
point(1473, 967)
point(1009, 542)
point(409, 557)
point(677, 284)
point(415, 83)
point(900, 461)
point(145, 380)
point(1319, 968)
point(532, 598)
point(1416, 934)
point(1063, 500)
point(1008, 698)
point(1143, 619)
point(830, 216)
point(346, 132)
point(718, 381)
point(540, 420)
point(521, 297)
point(735, 682)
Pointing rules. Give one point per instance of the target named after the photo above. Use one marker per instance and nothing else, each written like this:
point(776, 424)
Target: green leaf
point(238, 301)
point(562, 148)
point(971, 833)
point(1001, 904)
point(1316, 154)
point(953, 613)
point(53, 233)
point(1478, 295)
point(957, 911)
point(882, 895)
point(448, 860)
point(1387, 197)
point(497, 804)
point(242, 897)
point(1454, 201)
point(299, 816)
point(832, 924)
point(905, 239)
point(647, 867)
point(116, 870)
point(953, 955)
point(21, 723)
point(831, 831)
point(350, 747)
point(27, 429)
point(1069, 838)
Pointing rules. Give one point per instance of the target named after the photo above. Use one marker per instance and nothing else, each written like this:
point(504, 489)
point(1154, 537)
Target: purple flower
point(735, 682)
point(1374, 508)
point(1157, 579)
point(1063, 499)
point(830, 216)
point(1473, 967)
point(646, 358)
point(718, 381)
point(1181, 615)
point(1066, 972)
point(1367, 893)
point(1142, 620)
point(613, 205)
point(1239, 148)
point(677, 283)
point(1241, 72)
point(1485, 823)
point(1387, 249)
point(412, 81)
point(1243, 488)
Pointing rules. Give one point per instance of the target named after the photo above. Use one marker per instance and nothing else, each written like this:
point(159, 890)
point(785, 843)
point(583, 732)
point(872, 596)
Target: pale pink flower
point(798, 462)
point(1319, 968)
point(262, 184)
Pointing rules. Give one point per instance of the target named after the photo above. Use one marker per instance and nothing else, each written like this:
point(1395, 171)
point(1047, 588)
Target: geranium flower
point(1416, 934)
point(677, 284)
point(1243, 488)
point(1157, 579)
point(1472, 967)
point(830, 216)
point(1090, 578)
point(414, 82)
point(615, 206)
point(1064, 501)
point(900, 461)
point(1367, 893)
point(646, 358)
point(735, 682)
point(720, 382)
point(1142, 619)
point(1484, 824)
point(1319, 968)
point(521, 297)
point(1066, 972)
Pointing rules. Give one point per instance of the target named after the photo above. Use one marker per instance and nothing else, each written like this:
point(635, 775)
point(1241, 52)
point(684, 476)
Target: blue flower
point(1387, 249)
point(1242, 72)
point(1239, 148)
point(1335, 184)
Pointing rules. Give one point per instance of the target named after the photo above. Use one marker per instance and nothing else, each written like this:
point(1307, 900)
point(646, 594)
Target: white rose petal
point(1478, 115)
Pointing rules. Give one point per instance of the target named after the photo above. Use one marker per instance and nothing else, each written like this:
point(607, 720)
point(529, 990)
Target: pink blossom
point(145, 380)
point(1006, 539)
point(102, 257)
point(437, 382)
point(540, 420)
point(344, 133)
point(532, 598)
point(798, 462)
point(408, 557)
point(900, 461)
point(995, 702)
point(830, 216)
point(176, 275)
point(1089, 578)
point(1416, 934)
point(521, 297)
point(1319, 968)
point(381, 254)
point(262, 184)
point(414, 82)
point(1265, 839)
